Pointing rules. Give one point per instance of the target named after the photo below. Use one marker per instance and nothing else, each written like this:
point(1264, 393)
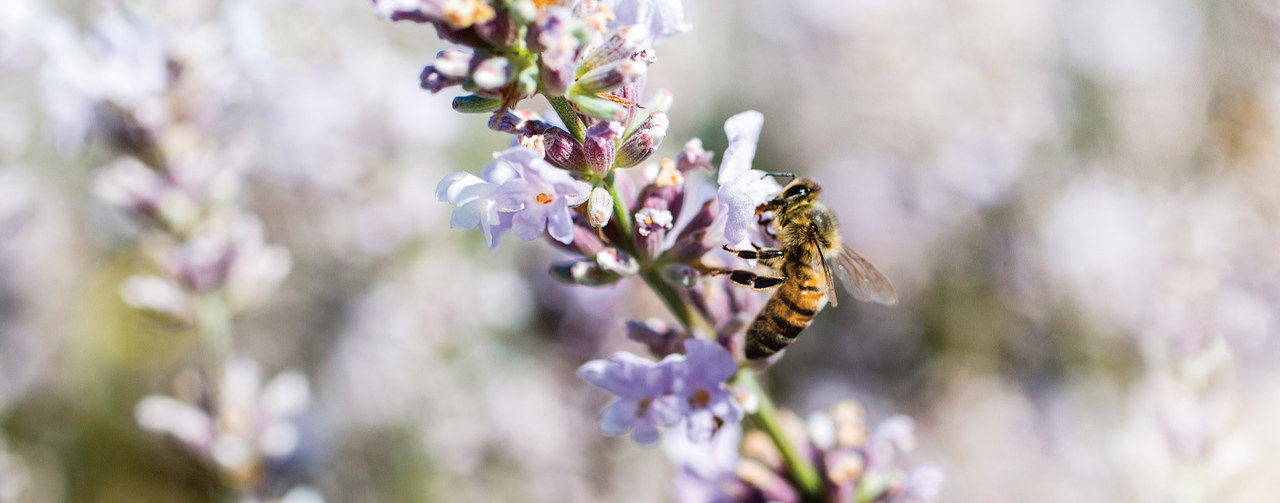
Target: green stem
point(568, 115)
point(766, 416)
point(213, 331)
point(622, 216)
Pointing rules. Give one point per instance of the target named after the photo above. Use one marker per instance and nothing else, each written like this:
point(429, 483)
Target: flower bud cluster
point(514, 50)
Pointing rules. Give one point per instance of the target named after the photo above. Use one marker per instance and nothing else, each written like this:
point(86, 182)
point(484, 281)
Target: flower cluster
point(856, 464)
point(682, 389)
point(245, 432)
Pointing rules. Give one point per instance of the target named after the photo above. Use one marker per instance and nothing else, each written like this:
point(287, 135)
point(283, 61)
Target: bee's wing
point(862, 279)
point(830, 284)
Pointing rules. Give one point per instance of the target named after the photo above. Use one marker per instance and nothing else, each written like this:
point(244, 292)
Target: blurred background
point(1077, 202)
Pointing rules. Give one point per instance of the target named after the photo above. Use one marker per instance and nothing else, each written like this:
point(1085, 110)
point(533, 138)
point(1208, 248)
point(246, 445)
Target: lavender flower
point(663, 18)
point(540, 197)
point(701, 381)
point(520, 192)
point(645, 400)
point(252, 423)
point(741, 187)
point(687, 389)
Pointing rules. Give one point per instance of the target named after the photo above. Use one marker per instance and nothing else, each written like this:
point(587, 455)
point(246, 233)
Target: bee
point(809, 249)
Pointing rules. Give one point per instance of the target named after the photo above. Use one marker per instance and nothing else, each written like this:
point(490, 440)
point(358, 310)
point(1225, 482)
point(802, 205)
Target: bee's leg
point(751, 279)
point(757, 254)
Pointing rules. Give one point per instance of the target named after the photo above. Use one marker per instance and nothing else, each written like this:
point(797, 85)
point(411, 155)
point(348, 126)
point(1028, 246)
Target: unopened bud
point(618, 262)
point(433, 80)
point(644, 142)
point(492, 73)
point(453, 63)
point(563, 151)
point(599, 146)
point(622, 44)
point(680, 275)
point(694, 156)
point(472, 104)
point(609, 77)
point(523, 11)
point(583, 272)
point(598, 107)
point(599, 207)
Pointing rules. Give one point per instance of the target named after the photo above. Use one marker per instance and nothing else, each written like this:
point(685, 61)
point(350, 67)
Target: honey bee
point(809, 249)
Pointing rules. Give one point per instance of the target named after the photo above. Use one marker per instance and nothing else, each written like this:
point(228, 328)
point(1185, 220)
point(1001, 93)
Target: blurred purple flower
point(663, 18)
point(741, 187)
point(701, 382)
point(704, 470)
point(645, 400)
point(687, 389)
point(474, 206)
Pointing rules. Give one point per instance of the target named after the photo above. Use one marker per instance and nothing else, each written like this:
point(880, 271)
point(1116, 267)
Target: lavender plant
point(664, 223)
point(142, 86)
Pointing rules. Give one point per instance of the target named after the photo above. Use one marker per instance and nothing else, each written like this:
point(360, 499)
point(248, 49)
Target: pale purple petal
point(725, 407)
point(663, 18)
point(645, 433)
point(738, 210)
point(710, 359)
point(529, 223)
point(560, 222)
point(743, 131)
point(618, 417)
point(701, 427)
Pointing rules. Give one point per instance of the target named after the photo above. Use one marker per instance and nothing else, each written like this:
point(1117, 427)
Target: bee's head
point(801, 190)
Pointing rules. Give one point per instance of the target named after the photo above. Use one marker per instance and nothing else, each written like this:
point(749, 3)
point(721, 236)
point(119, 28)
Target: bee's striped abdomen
point(787, 313)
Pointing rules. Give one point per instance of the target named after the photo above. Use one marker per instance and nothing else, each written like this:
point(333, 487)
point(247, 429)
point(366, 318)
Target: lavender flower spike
point(644, 401)
point(741, 187)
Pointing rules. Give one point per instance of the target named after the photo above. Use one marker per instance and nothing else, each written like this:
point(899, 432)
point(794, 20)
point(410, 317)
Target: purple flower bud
point(644, 142)
point(679, 275)
point(617, 262)
point(433, 80)
point(472, 104)
point(492, 73)
point(600, 144)
point(512, 121)
point(583, 272)
point(694, 156)
point(500, 31)
point(558, 46)
point(624, 42)
point(563, 150)
point(599, 207)
point(585, 239)
point(661, 338)
point(609, 77)
point(599, 107)
point(453, 63)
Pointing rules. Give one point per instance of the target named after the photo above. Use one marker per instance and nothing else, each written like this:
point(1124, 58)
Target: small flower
point(644, 401)
point(651, 220)
point(701, 381)
point(253, 422)
point(541, 197)
point(741, 187)
point(473, 202)
point(694, 156)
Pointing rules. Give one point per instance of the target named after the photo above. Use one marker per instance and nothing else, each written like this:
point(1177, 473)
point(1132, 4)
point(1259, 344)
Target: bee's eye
point(797, 191)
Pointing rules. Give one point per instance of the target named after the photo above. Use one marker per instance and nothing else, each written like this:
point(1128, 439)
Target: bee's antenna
point(788, 175)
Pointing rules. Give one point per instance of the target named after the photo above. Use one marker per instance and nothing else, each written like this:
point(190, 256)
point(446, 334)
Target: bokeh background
point(1077, 202)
